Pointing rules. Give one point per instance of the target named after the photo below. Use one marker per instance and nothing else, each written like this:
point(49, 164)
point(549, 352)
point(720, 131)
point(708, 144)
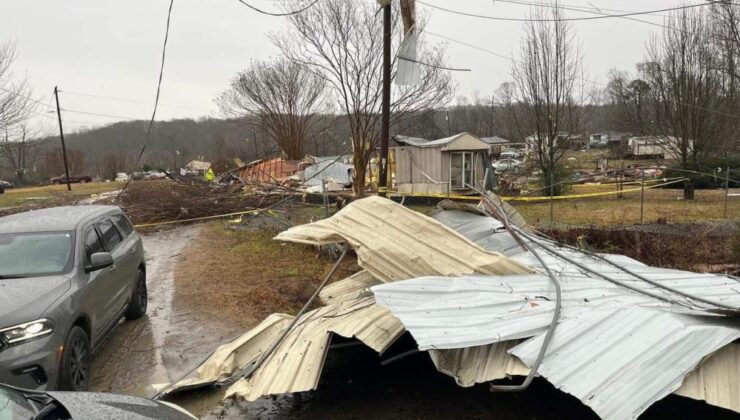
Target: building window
point(463, 169)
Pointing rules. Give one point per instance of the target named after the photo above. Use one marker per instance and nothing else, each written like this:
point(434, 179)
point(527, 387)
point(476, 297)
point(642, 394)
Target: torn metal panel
point(230, 357)
point(448, 313)
point(490, 234)
point(353, 287)
point(485, 231)
point(619, 362)
point(716, 379)
point(479, 364)
point(296, 363)
point(396, 243)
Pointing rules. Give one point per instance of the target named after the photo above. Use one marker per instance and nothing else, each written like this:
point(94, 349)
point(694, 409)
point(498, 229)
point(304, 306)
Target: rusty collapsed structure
point(489, 298)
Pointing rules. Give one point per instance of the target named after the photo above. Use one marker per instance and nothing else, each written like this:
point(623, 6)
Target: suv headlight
point(27, 331)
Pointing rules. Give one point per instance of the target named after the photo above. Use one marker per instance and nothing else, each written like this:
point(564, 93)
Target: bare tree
point(15, 102)
point(341, 41)
point(113, 163)
point(283, 97)
point(549, 85)
point(632, 99)
point(687, 83)
point(54, 162)
point(18, 151)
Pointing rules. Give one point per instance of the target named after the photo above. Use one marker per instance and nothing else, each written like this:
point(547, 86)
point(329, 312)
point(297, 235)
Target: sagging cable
point(647, 280)
point(558, 302)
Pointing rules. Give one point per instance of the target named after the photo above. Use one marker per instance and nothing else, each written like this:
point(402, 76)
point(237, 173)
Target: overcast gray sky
point(112, 48)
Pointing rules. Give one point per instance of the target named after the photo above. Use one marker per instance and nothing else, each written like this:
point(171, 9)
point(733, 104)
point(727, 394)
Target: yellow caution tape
point(451, 196)
point(195, 219)
point(541, 198)
point(596, 194)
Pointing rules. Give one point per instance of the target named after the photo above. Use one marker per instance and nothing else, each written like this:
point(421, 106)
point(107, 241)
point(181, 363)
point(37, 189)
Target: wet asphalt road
point(167, 343)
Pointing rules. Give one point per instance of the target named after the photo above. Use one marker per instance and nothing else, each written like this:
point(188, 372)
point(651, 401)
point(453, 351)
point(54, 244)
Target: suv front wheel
point(137, 308)
point(74, 372)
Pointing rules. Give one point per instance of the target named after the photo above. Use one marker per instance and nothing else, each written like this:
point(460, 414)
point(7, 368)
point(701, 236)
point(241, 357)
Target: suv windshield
point(35, 254)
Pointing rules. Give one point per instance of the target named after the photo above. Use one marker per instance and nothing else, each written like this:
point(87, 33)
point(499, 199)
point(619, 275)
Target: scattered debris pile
point(305, 175)
point(479, 296)
point(150, 202)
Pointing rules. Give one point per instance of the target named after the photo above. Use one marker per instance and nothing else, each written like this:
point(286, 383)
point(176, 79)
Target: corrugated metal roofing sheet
point(478, 364)
point(716, 379)
point(619, 362)
point(230, 357)
point(395, 243)
point(296, 363)
point(353, 287)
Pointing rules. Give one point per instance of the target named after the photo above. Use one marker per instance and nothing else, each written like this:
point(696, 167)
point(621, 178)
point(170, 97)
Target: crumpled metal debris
point(480, 315)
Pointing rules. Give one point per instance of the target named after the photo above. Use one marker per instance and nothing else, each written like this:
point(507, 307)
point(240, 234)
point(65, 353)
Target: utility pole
point(386, 104)
point(61, 135)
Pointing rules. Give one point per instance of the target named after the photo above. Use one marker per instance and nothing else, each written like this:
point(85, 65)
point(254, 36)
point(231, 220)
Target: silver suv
point(67, 276)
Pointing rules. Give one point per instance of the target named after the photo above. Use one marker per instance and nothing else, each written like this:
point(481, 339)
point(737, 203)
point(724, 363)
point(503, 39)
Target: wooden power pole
point(386, 101)
point(61, 135)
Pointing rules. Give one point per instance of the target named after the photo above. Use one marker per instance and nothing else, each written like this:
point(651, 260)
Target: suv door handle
point(132, 250)
point(113, 267)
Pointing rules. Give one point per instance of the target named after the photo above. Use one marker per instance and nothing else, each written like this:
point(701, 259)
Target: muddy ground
point(183, 326)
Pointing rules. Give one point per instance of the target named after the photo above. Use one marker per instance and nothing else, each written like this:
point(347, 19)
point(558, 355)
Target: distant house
point(563, 140)
point(446, 165)
point(598, 140)
point(275, 170)
point(662, 147)
point(336, 169)
point(605, 139)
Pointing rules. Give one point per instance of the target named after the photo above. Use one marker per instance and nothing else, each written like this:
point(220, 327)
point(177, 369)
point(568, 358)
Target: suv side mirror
point(99, 261)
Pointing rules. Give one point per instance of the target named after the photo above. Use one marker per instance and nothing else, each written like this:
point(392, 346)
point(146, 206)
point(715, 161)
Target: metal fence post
point(325, 197)
point(727, 189)
point(642, 194)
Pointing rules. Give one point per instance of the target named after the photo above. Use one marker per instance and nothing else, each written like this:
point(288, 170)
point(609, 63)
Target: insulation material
point(296, 363)
point(420, 245)
point(408, 71)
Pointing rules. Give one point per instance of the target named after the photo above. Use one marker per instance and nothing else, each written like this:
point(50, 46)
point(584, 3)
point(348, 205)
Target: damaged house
point(488, 298)
point(448, 165)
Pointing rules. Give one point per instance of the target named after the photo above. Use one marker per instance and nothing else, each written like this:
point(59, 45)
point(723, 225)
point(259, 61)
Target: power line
point(595, 11)
point(156, 98)
point(119, 117)
point(509, 19)
point(20, 95)
point(295, 12)
point(513, 60)
point(135, 101)
point(598, 9)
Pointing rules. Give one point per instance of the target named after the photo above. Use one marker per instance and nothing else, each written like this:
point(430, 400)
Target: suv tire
point(74, 370)
point(137, 307)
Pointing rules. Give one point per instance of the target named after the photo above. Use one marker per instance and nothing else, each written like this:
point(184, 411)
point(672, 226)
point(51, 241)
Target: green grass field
point(660, 205)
